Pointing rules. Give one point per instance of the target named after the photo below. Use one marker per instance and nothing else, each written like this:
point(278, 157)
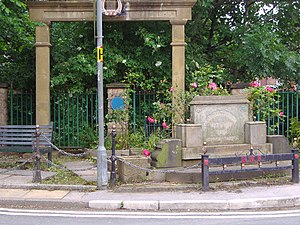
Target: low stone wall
point(128, 174)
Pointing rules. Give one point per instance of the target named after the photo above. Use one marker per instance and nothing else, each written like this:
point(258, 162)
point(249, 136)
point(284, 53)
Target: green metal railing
point(21, 108)
point(75, 116)
point(289, 105)
point(75, 119)
point(142, 106)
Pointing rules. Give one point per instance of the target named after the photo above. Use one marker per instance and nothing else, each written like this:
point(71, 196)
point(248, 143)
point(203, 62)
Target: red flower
point(194, 85)
point(171, 89)
point(150, 120)
point(146, 152)
point(269, 89)
point(254, 84)
point(281, 114)
point(164, 125)
point(213, 86)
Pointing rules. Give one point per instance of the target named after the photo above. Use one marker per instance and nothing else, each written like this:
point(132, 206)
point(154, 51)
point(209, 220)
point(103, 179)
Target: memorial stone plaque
point(222, 118)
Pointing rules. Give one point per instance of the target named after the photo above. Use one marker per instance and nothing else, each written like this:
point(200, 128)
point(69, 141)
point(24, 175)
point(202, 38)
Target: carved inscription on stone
point(221, 126)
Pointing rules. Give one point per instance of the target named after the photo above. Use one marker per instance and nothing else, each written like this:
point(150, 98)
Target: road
point(50, 217)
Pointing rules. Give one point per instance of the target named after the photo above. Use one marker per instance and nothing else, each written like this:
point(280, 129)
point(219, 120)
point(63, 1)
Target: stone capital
point(178, 22)
point(178, 44)
point(42, 44)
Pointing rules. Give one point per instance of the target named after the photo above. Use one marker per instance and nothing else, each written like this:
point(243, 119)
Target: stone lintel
point(135, 10)
point(117, 85)
point(215, 100)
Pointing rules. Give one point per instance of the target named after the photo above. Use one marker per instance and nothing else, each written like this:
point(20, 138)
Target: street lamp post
point(102, 177)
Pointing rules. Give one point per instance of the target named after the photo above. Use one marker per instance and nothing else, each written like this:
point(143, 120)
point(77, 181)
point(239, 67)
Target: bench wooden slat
point(20, 138)
point(23, 130)
point(23, 137)
point(25, 126)
point(10, 143)
point(16, 135)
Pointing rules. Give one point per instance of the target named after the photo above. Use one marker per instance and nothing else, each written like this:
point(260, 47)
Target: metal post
point(102, 178)
point(205, 172)
point(295, 170)
point(113, 158)
point(37, 178)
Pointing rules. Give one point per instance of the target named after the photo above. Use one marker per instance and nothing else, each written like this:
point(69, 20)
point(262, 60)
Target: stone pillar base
point(255, 133)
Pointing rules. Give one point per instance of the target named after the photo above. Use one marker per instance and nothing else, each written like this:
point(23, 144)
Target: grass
point(64, 177)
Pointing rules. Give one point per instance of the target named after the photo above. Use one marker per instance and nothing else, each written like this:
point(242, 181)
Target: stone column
point(178, 68)
point(3, 104)
point(42, 45)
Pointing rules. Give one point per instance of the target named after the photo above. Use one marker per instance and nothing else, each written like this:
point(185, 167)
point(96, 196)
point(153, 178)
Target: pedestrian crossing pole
point(102, 178)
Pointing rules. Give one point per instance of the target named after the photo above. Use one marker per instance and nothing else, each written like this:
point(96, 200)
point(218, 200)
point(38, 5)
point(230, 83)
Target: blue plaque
point(117, 103)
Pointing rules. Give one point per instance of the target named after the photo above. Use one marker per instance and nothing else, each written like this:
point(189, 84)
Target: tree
point(251, 38)
point(136, 53)
point(16, 44)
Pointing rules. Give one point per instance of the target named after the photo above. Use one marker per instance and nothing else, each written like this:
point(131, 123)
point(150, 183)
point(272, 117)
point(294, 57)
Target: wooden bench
point(23, 138)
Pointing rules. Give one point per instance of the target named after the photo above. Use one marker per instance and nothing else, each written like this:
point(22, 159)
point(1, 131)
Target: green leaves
point(250, 38)
point(263, 102)
point(16, 44)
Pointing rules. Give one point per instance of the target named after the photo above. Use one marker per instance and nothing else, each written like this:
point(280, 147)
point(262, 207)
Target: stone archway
point(178, 12)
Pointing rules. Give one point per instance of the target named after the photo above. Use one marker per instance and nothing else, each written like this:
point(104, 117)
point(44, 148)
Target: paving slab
point(17, 180)
point(4, 176)
point(13, 193)
point(74, 196)
point(45, 194)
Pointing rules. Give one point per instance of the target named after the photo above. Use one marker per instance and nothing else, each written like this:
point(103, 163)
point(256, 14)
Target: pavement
point(16, 188)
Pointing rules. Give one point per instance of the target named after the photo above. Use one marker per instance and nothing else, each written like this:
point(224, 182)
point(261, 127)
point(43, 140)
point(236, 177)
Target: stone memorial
point(220, 126)
point(222, 118)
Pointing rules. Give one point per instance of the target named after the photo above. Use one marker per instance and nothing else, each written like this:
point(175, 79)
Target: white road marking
point(151, 215)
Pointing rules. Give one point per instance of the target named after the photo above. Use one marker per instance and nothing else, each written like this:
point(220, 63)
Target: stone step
point(224, 150)
point(193, 176)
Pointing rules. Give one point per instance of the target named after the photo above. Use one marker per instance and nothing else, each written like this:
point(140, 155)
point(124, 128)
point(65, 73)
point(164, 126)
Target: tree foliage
point(16, 44)
point(248, 38)
point(251, 38)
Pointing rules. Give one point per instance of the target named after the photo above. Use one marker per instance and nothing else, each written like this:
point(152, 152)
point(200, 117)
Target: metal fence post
point(295, 170)
point(113, 158)
point(205, 172)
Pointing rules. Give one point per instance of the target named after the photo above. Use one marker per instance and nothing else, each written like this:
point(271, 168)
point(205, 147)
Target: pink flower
point(254, 84)
point(146, 152)
point(281, 114)
point(269, 89)
point(171, 89)
point(150, 120)
point(165, 125)
point(194, 85)
point(213, 86)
